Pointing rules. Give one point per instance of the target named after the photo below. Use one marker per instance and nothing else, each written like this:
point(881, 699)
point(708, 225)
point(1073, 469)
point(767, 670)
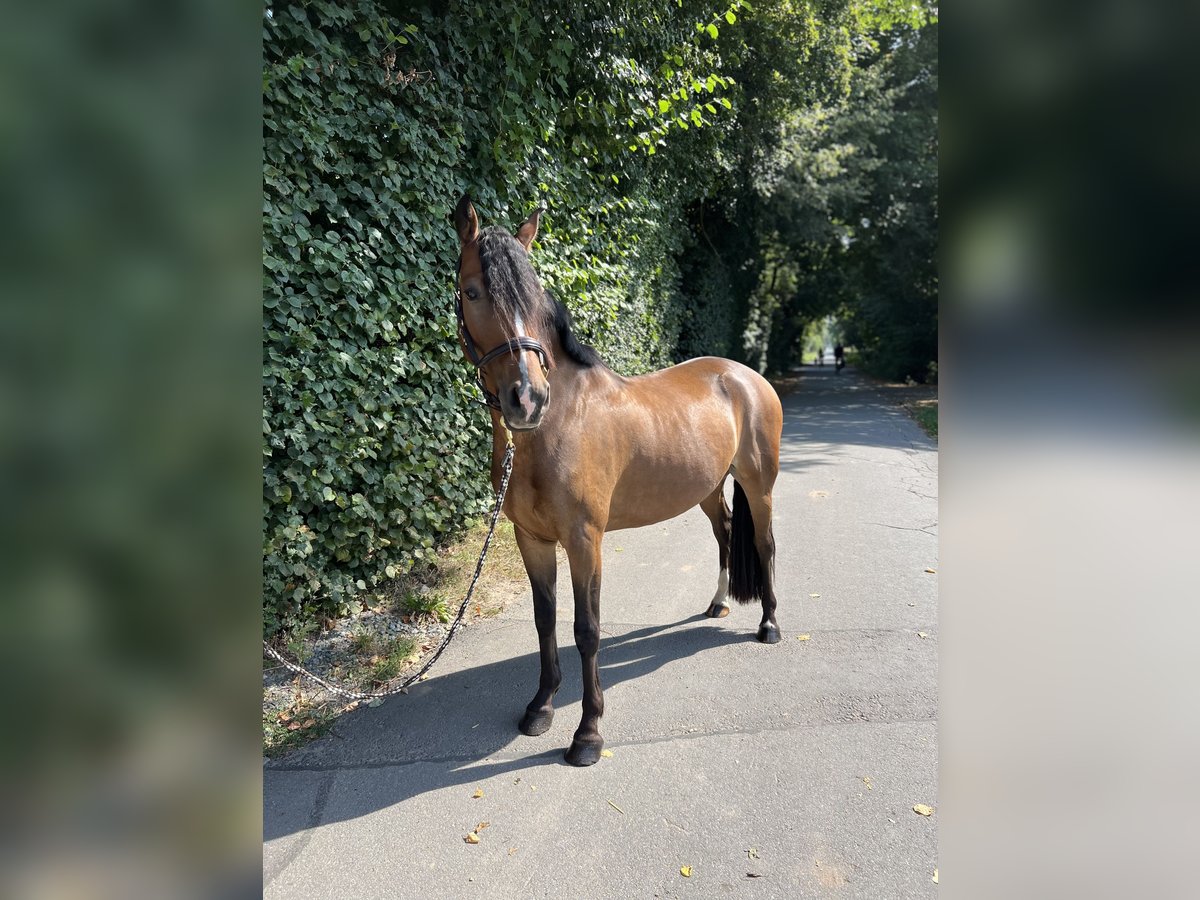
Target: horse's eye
point(472, 294)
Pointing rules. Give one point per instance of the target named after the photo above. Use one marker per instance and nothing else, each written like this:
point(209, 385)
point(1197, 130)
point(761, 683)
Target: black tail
point(745, 566)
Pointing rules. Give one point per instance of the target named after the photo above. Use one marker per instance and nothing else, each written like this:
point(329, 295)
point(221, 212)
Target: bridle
point(513, 345)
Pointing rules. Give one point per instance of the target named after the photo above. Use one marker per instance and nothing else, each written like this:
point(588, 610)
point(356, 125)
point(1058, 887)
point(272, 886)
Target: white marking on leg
point(720, 598)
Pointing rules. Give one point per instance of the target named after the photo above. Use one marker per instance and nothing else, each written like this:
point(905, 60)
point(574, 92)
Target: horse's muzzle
point(523, 406)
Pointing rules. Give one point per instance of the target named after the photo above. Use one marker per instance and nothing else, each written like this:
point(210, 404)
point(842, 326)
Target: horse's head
point(503, 313)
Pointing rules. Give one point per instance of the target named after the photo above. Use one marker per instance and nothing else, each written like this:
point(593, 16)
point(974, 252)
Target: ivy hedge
point(377, 117)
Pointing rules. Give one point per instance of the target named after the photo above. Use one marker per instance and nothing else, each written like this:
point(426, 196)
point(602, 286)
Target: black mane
point(516, 291)
point(581, 353)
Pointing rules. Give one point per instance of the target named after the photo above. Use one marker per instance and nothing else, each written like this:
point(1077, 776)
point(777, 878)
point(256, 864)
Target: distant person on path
point(839, 357)
point(820, 356)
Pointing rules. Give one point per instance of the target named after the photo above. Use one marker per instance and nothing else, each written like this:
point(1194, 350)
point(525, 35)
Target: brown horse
point(595, 452)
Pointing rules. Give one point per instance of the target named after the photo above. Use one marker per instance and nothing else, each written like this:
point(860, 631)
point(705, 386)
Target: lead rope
point(454, 626)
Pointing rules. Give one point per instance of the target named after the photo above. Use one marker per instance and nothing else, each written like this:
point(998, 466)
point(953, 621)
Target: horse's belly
point(648, 497)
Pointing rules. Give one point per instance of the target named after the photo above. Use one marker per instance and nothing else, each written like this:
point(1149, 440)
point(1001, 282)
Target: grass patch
point(296, 712)
point(429, 605)
point(396, 656)
point(925, 412)
point(294, 727)
point(504, 561)
point(436, 590)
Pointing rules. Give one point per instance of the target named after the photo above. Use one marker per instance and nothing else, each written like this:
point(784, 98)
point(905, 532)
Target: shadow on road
point(827, 410)
point(437, 735)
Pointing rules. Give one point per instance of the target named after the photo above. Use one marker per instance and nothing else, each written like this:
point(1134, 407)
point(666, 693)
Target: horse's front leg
point(542, 568)
point(583, 551)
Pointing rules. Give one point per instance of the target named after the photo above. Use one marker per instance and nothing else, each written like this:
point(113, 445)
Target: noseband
point(513, 345)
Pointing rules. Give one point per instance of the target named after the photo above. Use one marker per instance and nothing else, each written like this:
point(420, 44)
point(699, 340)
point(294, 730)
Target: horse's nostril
point(515, 397)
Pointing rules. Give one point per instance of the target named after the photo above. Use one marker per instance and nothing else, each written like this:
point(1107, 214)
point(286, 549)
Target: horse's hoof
point(584, 753)
point(535, 723)
point(769, 634)
point(717, 612)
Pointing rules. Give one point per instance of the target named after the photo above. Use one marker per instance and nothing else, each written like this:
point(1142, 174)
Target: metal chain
point(454, 626)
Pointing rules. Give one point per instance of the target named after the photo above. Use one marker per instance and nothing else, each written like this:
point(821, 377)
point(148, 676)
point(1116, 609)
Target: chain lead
point(454, 626)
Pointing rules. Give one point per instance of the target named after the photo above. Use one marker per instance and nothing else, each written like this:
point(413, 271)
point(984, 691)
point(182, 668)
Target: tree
point(850, 215)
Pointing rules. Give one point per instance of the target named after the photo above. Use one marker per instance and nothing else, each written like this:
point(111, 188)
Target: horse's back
point(752, 397)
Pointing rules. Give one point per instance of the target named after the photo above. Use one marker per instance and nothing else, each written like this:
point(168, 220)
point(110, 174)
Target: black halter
point(513, 345)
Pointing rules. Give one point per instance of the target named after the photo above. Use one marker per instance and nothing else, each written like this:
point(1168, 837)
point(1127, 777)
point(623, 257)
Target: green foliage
point(429, 605)
point(638, 125)
point(926, 415)
point(851, 213)
point(891, 303)
point(392, 658)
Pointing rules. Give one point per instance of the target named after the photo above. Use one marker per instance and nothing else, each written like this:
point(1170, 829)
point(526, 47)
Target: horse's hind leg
point(717, 510)
point(764, 541)
point(542, 568)
point(752, 542)
point(753, 545)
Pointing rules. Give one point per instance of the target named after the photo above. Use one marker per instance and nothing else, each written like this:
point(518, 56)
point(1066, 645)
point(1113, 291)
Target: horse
point(596, 452)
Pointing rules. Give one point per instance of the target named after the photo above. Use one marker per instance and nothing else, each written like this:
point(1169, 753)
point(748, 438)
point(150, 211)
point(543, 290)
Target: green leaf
point(712, 31)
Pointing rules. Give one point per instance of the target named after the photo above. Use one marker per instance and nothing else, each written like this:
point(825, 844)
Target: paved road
point(799, 763)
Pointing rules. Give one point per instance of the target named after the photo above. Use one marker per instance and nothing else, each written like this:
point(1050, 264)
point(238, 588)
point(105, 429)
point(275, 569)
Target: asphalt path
point(789, 770)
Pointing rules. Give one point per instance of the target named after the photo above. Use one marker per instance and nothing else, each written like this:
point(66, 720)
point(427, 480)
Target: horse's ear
point(466, 223)
point(528, 230)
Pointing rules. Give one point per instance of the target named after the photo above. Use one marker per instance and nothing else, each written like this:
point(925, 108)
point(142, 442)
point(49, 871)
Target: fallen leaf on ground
point(867, 782)
point(685, 871)
point(472, 838)
point(481, 826)
point(922, 810)
point(606, 753)
point(804, 637)
point(931, 571)
point(478, 793)
point(617, 808)
point(752, 853)
point(935, 881)
point(814, 596)
point(753, 875)
point(512, 850)
point(922, 634)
